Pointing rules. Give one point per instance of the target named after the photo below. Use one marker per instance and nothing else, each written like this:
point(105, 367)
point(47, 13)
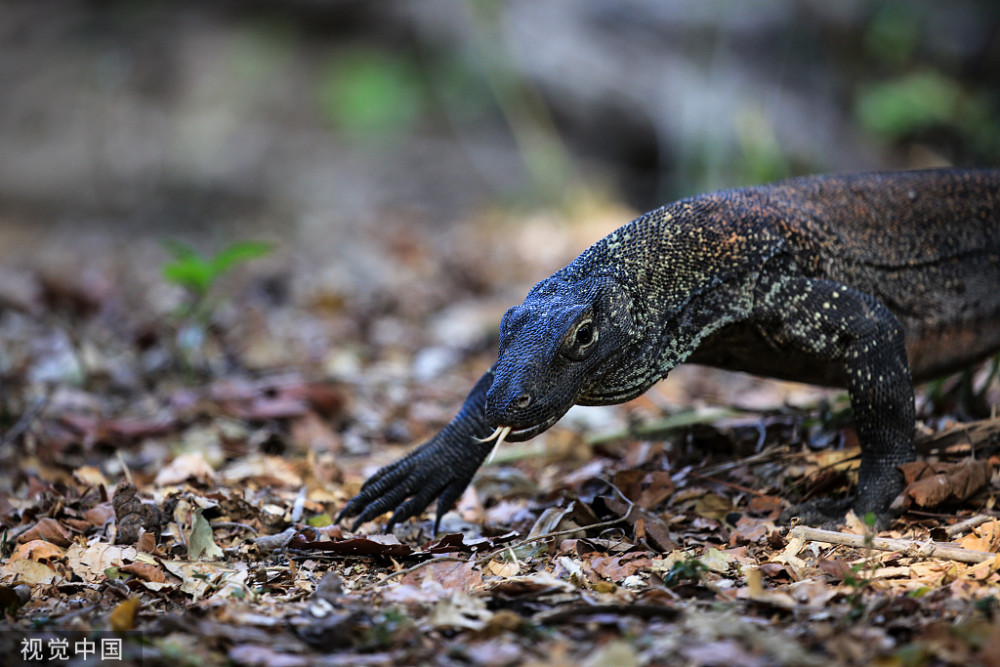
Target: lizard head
point(554, 348)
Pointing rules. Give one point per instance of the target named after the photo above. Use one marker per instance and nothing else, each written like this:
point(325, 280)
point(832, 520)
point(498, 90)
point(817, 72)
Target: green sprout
point(198, 274)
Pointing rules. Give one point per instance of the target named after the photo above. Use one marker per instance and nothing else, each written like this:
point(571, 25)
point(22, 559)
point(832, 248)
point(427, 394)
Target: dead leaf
point(713, 506)
point(312, 433)
point(184, 467)
point(90, 476)
point(42, 551)
point(385, 545)
point(451, 575)
point(26, 571)
point(655, 529)
point(199, 578)
point(262, 470)
point(942, 482)
point(90, 562)
point(645, 489)
point(201, 545)
point(145, 571)
point(122, 617)
point(460, 611)
point(617, 568)
point(49, 530)
point(510, 568)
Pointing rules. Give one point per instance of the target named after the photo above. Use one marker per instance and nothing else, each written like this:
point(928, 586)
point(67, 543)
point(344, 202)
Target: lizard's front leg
point(440, 468)
point(839, 324)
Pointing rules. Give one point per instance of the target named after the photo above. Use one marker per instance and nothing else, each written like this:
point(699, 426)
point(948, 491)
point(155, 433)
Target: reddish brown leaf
point(357, 546)
point(838, 569)
point(646, 489)
point(951, 482)
point(617, 568)
point(49, 530)
point(145, 571)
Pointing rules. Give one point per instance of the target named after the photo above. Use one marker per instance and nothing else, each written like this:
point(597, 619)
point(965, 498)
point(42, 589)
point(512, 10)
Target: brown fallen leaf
point(99, 514)
point(357, 546)
point(652, 528)
point(313, 433)
point(47, 529)
point(89, 476)
point(185, 467)
point(27, 571)
point(933, 484)
point(145, 571)
point(450, 574)
point(90, 562)
point(645, 489)
point(41, 551)
point(617, 568)
point(836, 568)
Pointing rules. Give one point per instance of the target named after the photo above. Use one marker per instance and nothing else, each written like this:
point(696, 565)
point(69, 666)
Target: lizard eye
point(584, 334)
point(581, 340)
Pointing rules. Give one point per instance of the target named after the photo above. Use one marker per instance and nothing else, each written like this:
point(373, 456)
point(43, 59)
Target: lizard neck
point(689, 269)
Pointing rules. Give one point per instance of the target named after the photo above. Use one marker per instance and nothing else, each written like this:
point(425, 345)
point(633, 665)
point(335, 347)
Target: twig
point(662, 426)
point(773, 452)
point(968, 524)
point(232, 524)
point(731, 485)
point(908, 547)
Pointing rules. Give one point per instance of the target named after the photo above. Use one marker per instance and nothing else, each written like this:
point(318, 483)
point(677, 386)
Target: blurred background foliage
point(315, 119)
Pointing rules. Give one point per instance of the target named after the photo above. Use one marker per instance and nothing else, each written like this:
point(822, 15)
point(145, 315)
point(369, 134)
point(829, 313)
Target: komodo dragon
point(869, 281)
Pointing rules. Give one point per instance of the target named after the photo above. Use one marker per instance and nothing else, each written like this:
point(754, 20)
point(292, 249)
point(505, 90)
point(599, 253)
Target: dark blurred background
point(142, 113)
point(367, 138)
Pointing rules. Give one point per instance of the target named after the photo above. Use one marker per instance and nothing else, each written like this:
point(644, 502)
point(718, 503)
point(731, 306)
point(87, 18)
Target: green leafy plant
point(684, 571)
point(198, 274)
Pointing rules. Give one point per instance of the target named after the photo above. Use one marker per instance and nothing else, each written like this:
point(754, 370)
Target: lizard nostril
point(522, 401)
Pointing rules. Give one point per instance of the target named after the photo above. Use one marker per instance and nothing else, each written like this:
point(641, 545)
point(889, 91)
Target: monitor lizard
point(866, 281)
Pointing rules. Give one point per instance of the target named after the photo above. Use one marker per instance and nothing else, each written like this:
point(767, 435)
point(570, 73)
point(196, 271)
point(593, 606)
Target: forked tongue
point(500, 433)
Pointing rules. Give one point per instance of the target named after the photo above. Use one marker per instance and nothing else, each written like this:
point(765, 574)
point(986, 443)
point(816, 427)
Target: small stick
point(968, 524)
point(731, 485)
point(908, 547)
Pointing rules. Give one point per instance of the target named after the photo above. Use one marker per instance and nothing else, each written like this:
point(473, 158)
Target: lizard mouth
point(512, 434)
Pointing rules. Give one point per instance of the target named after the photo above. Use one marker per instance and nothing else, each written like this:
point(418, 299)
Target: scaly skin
point(842, 280)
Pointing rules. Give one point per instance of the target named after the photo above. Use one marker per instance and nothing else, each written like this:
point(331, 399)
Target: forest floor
point(172, 466)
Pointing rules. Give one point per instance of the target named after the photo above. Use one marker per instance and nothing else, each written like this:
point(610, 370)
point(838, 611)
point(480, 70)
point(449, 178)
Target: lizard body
point(865, 281)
